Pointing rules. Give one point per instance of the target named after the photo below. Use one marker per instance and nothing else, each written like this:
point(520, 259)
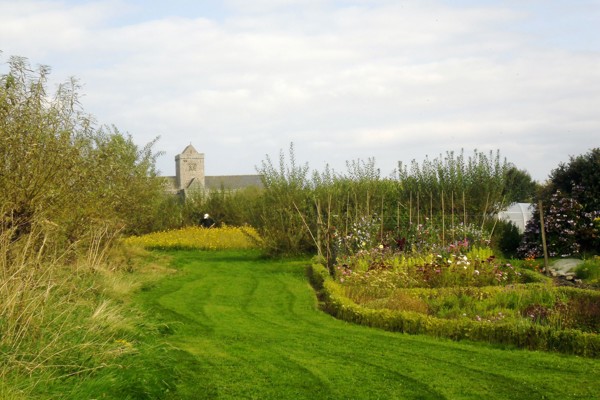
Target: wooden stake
point(382, 199)
point(443, 222)
point(410, 209)
point(544, 246)
point(464, 209)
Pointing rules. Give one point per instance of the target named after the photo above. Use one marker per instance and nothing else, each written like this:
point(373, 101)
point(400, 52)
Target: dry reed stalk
point(101, 241)
point(39, 298)
point(307, 227)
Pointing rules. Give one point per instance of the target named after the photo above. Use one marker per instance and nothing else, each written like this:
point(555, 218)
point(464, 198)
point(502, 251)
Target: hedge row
point(526, 335)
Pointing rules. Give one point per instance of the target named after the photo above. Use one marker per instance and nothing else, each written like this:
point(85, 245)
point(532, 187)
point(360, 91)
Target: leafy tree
point(580, 179)
point(57, 169)
point(519, 187)
point(571, 201)
point(284, 204)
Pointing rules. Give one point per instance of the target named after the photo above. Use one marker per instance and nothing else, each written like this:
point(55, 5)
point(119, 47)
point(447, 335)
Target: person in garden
point(207, 221)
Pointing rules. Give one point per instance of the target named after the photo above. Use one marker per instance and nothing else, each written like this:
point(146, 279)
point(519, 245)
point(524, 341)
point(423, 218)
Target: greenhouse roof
point(517, 213)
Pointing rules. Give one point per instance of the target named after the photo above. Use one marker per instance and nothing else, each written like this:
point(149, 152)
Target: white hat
point(205, 215)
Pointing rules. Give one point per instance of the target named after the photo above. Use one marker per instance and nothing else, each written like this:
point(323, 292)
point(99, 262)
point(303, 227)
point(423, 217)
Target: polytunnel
point(517, 213)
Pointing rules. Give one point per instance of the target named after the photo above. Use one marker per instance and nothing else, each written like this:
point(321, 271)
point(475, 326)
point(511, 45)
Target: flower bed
point(527, 332)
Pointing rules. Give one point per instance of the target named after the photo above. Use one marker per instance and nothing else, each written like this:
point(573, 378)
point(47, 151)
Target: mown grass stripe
point(250, 328)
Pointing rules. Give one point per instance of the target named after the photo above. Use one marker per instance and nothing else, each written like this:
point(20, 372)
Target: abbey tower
point(190, 176)
point(189, 168)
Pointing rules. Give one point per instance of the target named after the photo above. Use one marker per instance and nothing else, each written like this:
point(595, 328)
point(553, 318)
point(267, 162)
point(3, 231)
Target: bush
point(57, 168)
point(506, 238)
point(589, 270)
point(567, 226)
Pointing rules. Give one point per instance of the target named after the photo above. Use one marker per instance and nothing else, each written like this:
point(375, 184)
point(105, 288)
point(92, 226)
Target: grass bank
point(239, 326)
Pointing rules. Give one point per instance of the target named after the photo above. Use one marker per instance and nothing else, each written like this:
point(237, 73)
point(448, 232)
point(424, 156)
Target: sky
point(342, 80)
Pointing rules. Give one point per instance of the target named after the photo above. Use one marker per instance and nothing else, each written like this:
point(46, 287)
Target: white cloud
point(373, 78)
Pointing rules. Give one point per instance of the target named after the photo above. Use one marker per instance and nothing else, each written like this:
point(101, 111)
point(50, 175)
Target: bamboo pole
point(418, 209)
point(347, 214)
point(319, 224)
point(464, 208)
point(431, 206)
point(410, 209)
point(443, 222)
point(382, 199)
point(452, 211)
point(487, 200)
point(398, 217)
point(329, 258)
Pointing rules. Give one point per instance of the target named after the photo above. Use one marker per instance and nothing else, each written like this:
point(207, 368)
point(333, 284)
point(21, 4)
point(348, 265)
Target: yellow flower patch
point(227, 237)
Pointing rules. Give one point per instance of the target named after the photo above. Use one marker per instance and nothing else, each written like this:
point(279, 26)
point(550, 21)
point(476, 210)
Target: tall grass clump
point(67, 191)
point(53, 322)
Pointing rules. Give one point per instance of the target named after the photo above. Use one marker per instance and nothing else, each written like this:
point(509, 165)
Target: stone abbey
point(189, 170)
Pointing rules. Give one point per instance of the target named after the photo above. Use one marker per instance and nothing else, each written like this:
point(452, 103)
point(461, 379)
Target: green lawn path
point(242, 327)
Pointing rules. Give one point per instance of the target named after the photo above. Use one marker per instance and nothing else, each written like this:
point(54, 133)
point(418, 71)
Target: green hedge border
point(532, 337)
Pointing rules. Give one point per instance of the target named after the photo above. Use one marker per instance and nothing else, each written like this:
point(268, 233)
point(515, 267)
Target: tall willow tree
point(58, 170)
point(469, 187)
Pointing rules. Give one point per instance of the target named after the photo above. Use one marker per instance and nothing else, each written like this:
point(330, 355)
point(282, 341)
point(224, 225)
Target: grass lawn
point(243, 327)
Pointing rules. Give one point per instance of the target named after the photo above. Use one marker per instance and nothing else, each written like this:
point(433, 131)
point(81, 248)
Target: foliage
point(67, 190)
point(506, 238)
point(589, 270)
point(570, 199)
point(199, 238)
point(519, 186)
point(567, 226)
point(579, 179)
point(55, 166)
point(324, 214)
point(485, 180)
point(229, 207)
point(282, 225)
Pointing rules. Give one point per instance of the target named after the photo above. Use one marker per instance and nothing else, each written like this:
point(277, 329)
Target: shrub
point(589, 269)
point(506, 238)
point(567, 225)
point(57, 168)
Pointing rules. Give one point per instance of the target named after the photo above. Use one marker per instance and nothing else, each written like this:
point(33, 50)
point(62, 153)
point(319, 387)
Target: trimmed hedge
point(527, 336)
